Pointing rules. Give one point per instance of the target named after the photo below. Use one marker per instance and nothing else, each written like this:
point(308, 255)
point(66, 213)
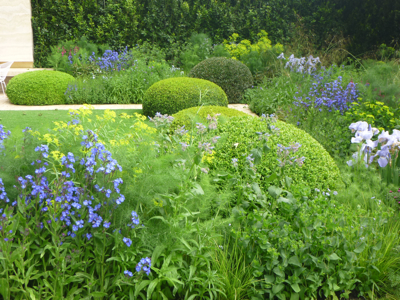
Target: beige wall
point(16, 39)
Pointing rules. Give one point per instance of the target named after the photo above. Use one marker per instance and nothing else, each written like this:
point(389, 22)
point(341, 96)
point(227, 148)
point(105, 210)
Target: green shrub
point(38, 88)
point(185, 117)
point(171, 95)
point(238, 138)
point(119, 87)
point(198, 49)
point(231, 75)
point(72, 57)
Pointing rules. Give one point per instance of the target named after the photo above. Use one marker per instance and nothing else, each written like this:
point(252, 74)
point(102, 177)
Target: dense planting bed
point(298, 203)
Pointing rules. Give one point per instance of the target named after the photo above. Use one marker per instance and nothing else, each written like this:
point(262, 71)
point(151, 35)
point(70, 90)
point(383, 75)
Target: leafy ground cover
point(42, 120)
point(115, 208)
point(115, 205)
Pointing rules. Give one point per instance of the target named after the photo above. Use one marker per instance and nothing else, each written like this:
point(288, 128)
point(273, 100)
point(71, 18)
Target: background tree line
point(169, 23)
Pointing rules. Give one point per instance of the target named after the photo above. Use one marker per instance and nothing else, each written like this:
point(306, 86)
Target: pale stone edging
point(5, 104)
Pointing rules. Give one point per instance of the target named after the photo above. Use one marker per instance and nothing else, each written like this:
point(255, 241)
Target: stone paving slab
point(5, 104)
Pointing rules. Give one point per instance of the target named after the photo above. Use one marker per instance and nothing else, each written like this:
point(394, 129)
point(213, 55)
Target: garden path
point(5, 104)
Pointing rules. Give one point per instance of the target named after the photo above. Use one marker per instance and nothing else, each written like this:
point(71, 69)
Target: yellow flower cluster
point(208, 158)
point(76, 129)
point(237, 50)
point(109, 115)
point(56, 155)
point(375, 113)
point(158, 203)
point(83, 112)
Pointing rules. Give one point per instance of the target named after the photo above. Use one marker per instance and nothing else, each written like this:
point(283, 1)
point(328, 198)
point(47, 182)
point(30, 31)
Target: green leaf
point(113, 258)
point(294, 296)
point(295, 287)
point(269, 278)
point(141, 286)
point(279, 272)
point(151, 287)
point(197, 159)
point(197, 189)
point(274, 191)
point(272, 177)
point(277, 288)
point(288, 181)
point(257, 155)
point(156, 253)
point(360, 248)
point(256, 188)
point(378, 246)
point(3, 287)
point(31, 294)
point(294, 260)
point(266, 149)
point(334, 256)
point(284, 200)
point(98, 294)
point(250, 172)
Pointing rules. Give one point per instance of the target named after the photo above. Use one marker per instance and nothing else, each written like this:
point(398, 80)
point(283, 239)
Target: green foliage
point(187, 117)
point(259, 57)
point(239, 136)
point(38, 88)
point(375, 113)
point(273, 94)
point(121, 23)
point(171, 95)
point(231, 75)
point(236, 274)
point(198, 49)
point(383, 80)
point(79, 52)
point(318, 247)
point(330, 129)
point(211, 234)
point(119, 87)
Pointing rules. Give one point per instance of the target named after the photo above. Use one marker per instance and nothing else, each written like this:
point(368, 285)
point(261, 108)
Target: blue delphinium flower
point(250, 160)
point(135, 218)
point(3, 194)
point(144, 265)
point(235, 162)
point(106, 224)
point(128, 273)
point(127, 241)
point(330, 95)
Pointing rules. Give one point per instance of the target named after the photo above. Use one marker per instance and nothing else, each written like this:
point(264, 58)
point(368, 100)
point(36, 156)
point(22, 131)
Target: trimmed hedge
point(38, 88)
point(238, 138)
point(185, 117)
point(171, 95)
point(231, 75)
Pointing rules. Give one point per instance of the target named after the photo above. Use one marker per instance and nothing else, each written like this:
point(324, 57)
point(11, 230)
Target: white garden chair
point(3, 74)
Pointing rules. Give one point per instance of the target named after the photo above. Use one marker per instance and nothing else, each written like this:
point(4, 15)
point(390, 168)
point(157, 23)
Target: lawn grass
point(42, 120)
